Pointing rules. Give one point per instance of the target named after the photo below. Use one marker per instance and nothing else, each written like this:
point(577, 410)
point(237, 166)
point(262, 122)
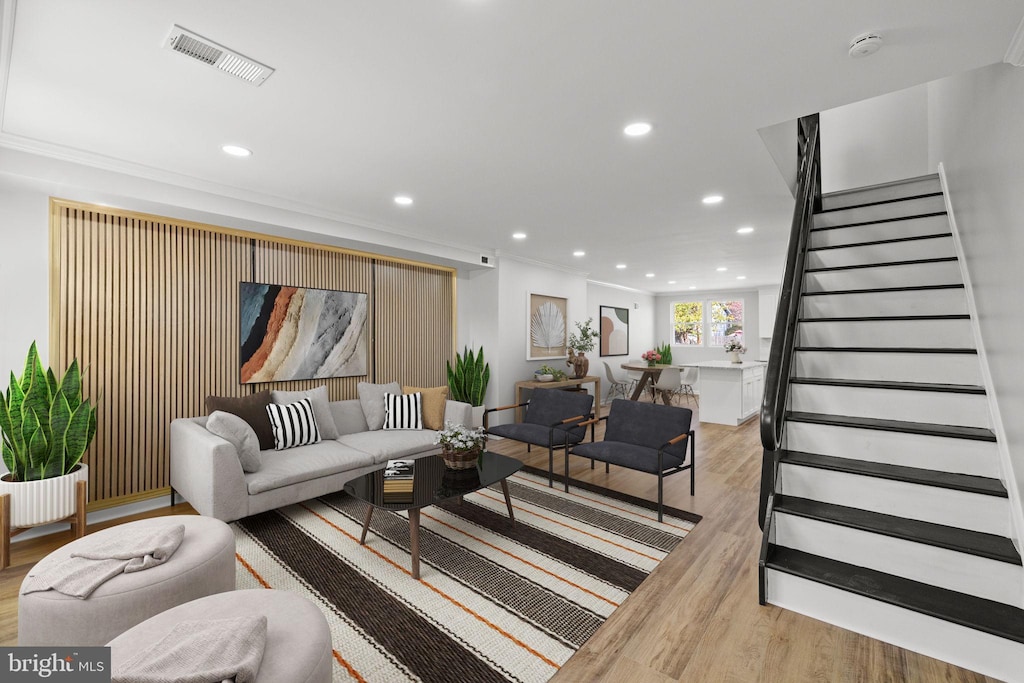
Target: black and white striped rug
point(494, 602)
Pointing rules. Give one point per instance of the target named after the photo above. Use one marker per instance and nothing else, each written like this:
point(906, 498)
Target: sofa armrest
point(458, 413)
point(205, 470)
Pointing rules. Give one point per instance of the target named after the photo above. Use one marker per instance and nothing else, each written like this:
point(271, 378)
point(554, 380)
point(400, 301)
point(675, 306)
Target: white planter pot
point(44, 501)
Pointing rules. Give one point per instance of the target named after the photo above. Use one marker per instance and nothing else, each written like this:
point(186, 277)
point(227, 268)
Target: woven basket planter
point(461, 460)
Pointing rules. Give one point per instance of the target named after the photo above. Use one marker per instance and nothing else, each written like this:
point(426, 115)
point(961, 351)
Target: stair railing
point(776, 392)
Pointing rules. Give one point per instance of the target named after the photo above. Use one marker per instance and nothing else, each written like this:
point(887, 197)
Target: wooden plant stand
point(77, 521)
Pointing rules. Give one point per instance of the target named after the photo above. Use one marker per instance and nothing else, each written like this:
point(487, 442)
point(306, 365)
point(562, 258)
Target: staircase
point(888, 515)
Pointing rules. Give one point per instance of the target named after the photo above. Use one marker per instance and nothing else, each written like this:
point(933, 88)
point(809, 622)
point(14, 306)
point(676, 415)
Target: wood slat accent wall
point(150, 306)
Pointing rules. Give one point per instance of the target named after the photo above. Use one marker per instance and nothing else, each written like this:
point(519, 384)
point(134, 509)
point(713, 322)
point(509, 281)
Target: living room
point(515, 183)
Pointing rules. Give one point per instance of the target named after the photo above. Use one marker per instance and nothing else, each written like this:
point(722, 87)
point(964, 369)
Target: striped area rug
point(494, 603)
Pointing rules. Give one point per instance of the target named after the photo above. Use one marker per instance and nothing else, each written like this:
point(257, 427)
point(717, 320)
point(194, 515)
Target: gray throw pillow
point(321, 407)
point(371, 398)
point(239, 434)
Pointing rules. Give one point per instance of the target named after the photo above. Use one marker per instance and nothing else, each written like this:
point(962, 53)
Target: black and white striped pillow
point(403, 411)
point(293, 424)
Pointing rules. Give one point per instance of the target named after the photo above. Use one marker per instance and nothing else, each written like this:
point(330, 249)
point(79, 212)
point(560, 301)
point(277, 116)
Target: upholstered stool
point(203, 564)
point(298, 648)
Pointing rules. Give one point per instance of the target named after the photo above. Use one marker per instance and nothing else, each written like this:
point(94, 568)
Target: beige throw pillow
point(434, 402)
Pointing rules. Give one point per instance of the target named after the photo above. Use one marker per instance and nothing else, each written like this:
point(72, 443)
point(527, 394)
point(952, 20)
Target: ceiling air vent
point(221, 58)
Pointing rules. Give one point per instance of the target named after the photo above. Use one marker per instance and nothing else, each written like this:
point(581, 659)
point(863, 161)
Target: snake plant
point(45, 424)
point(468, 380)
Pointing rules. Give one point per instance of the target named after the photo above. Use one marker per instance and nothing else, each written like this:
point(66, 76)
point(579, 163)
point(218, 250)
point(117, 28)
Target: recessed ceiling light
point(637, 129)
point(403, 200)
point(519, 235)
point(620, 266)
point(693, 286)
point(745, 230)
point(712, 199)
point(671, 282)
point(649, 275)
point(721, 269)
point(741, 277)
point(236, 151)
point(579, 252)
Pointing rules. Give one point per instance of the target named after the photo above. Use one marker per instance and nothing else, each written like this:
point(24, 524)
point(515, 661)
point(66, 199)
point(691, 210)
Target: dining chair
point(615, 385)
point(686, 382)
point(668, 385)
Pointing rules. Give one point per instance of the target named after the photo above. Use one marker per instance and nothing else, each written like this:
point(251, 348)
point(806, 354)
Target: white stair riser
point(974, 511)
point(956, 571)
point(908, 275)
point(944, 334)
point(943, 454)
point(933, 407)
point(880, 212)
point(975, 650)
point(948, 368)
point(909, 227)
point(938, 247)
point(913, 302)
point(910, 188)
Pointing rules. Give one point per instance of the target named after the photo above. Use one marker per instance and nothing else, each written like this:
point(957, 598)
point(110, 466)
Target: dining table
point(651, 373)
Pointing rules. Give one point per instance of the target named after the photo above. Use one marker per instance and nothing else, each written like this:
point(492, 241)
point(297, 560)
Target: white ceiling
point(494, 115)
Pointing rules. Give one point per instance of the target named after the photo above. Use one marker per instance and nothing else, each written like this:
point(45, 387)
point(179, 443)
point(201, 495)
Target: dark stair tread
point(884, 264)
point(976, 543)
point(889, 240)
point(892, 200)
point(969, 483)
point(881, 220)
point(885, 349)
point(925, 428)
point(884, 290)
point(905, 386)
point(884, 318)
point(989, 616)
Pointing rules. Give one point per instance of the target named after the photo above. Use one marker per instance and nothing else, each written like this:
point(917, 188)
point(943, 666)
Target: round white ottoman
point(298, 648)
point(203, 564)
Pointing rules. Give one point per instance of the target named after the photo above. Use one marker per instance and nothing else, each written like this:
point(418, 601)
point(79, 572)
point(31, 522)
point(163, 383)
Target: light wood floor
point(696, 618)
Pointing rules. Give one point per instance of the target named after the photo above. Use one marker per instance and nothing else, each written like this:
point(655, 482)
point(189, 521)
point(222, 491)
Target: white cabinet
point(753, 389)
point(767, 303)
point(730, 393)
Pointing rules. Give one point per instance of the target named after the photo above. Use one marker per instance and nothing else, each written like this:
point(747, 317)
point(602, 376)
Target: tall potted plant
point(467, 381)
point(46, 428)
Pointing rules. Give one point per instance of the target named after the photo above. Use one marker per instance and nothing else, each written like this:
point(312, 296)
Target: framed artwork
point(545, 326)
point(292, 333)
point(614, 331)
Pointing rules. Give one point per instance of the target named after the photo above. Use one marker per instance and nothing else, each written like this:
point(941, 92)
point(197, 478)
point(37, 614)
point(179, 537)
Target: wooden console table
point(571, 382)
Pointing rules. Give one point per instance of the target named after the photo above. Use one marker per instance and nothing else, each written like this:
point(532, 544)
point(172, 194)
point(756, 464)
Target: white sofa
point(206, 471)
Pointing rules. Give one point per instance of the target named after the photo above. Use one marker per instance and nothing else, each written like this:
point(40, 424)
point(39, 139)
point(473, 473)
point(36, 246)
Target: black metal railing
point(773, 406)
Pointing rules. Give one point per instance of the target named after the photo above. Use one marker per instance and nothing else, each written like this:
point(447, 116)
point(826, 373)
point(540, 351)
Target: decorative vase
point(651, 363)
point(580, 365)
point(44, 500)
point(461, 460)
point(734, 356)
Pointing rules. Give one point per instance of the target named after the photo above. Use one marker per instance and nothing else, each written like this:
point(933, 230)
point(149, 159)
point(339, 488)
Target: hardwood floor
point(696, 618)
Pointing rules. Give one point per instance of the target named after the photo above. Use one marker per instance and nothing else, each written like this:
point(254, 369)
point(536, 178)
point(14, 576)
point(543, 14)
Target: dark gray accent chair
point(646, 437)
point(553, 419)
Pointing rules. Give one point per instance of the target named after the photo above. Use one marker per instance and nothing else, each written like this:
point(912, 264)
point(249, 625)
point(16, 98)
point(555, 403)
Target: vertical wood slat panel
point(150, 307)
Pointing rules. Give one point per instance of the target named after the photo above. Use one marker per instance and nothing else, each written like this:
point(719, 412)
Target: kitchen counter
point(729, 365)
point(730, 393)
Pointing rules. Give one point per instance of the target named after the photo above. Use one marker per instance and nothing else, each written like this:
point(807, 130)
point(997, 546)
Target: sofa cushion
point(540, 435)
point(628, 455)
point(389, 445)
point(238, 432)
point(305, 463)
point(434, 401)
point(371, 396)
point(321, 407)
point(348, 416)
point(252, 409)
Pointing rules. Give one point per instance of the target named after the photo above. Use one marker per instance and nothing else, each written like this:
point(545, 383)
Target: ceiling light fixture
point(693, 286)
point(713, 199)
point(579, 252)
point(671, 282)
point(403, 200)
point(746, 230)
point(741, 277)
point(620, 266)
point(721, 269)
point(637, 129)
point(236, 151)
point(519, 235)
point(649, 275)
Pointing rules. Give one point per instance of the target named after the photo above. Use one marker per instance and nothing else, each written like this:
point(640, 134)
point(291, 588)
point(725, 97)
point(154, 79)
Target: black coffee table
point(432, 483)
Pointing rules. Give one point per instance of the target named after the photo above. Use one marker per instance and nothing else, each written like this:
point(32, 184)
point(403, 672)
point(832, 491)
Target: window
point(707, 323)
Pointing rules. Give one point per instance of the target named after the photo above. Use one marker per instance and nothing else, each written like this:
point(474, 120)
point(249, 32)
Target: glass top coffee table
point(430, 483)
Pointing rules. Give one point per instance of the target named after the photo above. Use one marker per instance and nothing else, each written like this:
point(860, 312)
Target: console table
point(571, 382)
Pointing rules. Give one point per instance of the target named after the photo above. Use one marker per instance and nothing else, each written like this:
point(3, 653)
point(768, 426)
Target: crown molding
point(612, 285)
point(540, 264)
point(1015, 52)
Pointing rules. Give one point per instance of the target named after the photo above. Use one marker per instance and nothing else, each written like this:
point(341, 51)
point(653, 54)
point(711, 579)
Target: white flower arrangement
point(456, 437)
point(733, 344)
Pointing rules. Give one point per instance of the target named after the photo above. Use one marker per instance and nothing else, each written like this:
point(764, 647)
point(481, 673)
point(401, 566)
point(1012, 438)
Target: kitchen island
point(730, 393)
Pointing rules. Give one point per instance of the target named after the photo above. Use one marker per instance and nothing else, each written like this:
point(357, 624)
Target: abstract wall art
point(614, 331)
point(294, 333)
point(545, 326)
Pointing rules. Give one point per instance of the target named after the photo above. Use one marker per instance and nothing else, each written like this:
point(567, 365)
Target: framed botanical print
point(545, 326)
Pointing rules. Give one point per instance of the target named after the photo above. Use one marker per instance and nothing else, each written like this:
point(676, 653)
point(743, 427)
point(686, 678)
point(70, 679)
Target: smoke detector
point(193, 45)
point(865, 44)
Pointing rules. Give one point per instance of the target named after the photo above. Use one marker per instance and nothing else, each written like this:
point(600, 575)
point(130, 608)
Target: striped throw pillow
point(403, 411)
point(293, 424)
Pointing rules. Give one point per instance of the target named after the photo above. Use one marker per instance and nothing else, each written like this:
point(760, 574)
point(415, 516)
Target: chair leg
point(551, 467)
point(567, 470)
point(606, 468)
point(591, 463)
point(661, 478)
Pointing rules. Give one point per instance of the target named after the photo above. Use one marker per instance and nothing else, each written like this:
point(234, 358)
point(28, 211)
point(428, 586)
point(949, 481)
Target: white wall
point(695, 354)
point(977, 134)
point(641, 325)
point(478, 313)
point(875, 141)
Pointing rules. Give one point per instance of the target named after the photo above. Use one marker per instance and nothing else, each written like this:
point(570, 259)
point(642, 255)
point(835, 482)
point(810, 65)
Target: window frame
point(707, 307)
